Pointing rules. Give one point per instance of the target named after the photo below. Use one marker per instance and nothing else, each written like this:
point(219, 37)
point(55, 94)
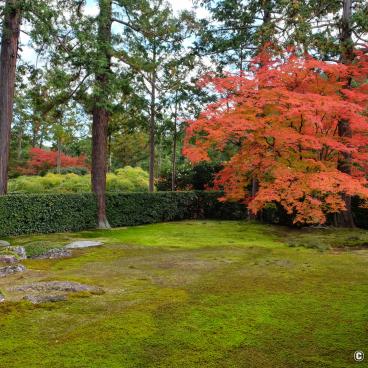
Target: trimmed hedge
point(129, 209)
point(47, 213)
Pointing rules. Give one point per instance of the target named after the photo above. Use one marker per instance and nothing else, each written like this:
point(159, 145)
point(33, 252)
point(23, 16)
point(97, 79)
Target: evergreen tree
point(8, 61)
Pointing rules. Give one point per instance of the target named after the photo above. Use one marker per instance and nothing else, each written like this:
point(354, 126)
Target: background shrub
point(70, 170)
point(128, 179)
point(197, 177)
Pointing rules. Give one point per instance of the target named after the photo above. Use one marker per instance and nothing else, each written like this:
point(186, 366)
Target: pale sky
point(91, 8)
point(177, 5)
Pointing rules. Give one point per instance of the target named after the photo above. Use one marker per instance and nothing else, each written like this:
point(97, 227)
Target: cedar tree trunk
point(345, 218)
point(152, 126)
point(175, 139)
point(100, 111)
point(8, 62)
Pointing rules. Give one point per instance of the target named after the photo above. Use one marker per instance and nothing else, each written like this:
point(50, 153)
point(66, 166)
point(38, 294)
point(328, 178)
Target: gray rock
point(2, 298)
point(283, 263)
point(38, 299)
point(19, 251)
point(65, 286)
point(4, 243)
point(83, 244)
point(54, 254)
point(8, 270)
point(7, 258)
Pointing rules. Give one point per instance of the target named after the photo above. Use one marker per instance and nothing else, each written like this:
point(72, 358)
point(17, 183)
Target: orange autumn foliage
point(278, 124)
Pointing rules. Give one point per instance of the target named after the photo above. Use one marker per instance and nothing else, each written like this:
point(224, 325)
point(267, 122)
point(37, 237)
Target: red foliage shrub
point(41, 160)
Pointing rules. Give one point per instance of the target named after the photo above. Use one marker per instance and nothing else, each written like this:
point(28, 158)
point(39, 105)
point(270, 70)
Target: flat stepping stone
point(4, 243)
point(8, 270)
point(19, 251)
point(53, 291)
point(83, 244)
point(54, 254)
point(2, 298)
point(65, 286)
point(7, 258)
point(38, 299)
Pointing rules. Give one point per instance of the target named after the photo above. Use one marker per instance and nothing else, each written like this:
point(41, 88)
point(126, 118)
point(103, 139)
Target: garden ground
point(194, 294)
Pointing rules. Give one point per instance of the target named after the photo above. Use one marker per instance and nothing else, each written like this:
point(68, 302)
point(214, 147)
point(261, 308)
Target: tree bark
point(345, 218)
point(99, 167)
point(109, 152)
point(266, 19)
point(20, 143)
point(175, 136)
point(58, 157)
point(254, 191)
point(100, 112)
point(8, 62)
point(35, 130)
point(152, 127)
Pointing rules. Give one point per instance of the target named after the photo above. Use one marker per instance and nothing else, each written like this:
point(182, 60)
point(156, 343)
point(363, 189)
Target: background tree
point(280, 124)
point(152, 45)
point(8, 61)
point(125, 79)
point(39, 16)
point(183, 100)
point(334, 29)
point(100, 111)
point(81, 62)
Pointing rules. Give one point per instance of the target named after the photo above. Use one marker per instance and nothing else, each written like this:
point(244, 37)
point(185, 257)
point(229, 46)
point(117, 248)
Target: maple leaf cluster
point(278, 124)
point(41, 160)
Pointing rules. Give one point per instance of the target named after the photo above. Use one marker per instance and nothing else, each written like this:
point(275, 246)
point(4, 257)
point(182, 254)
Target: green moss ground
point(195, 294)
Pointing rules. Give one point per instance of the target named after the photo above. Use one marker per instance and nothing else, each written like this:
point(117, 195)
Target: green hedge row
point(47, 213)
point(26, 214)
point(145, 208)
point(32, 213)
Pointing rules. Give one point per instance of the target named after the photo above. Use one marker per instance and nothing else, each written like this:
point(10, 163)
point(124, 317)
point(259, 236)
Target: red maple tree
point(278, 124)
point(40, 160)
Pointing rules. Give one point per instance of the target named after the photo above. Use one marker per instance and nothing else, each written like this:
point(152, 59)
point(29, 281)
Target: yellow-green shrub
point(128, 179)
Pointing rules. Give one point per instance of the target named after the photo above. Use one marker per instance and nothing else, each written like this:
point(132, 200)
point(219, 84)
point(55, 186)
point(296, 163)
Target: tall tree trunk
point(109, 153)
point(152, 127)
point(265, 37)
point(175, 136)
point(35, 130)
point(20, 142)
point(8, 62)
point(58, 157)
point(100, 113)
point(99, 167)
point(345, 218)
point(159, 158)
point(267, 10)
point(241, 62)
